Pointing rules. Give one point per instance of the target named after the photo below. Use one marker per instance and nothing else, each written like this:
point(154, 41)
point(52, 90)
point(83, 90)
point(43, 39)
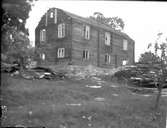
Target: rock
point(62, 126)
point(115, 94)
point(89, 124)
point(84, 117)
point(30, 113)
point(93, 86)
point(20, 125)
point(99, 99)
point(74, 104)
point(89, 118)
point(90, 71)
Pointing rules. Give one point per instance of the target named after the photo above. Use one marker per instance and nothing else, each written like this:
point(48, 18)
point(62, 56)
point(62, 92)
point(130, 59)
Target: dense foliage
point(148, 57)
point(14, 42)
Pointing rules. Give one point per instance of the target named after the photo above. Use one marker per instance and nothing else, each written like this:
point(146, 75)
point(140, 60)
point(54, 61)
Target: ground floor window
point(61, 53)
point(85, 54)
point(42, 56)
point(124, 62)
point(107, 59)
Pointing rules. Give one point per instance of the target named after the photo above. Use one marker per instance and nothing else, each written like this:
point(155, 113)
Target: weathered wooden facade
point(65, 38)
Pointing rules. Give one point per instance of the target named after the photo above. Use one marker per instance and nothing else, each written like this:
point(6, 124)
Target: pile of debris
point(9, 68)
point(90, 71)
point(70, 71)
point(31, 73)
point(139, 75)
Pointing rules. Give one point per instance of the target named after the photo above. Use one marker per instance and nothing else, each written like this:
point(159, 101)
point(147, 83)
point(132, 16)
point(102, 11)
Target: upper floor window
point(125, 44)
point(85, 54)
point(107, 59)
point(86, 32)
point(51, 15)
point(61, 30)
point(61, 52)
point(43, 35)
point(107, 38)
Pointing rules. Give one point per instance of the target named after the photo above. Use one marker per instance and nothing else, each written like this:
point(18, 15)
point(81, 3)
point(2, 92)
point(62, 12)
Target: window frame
point(125, 44)
point(60, 52)
point(107, 58)
point(61, 30)
point(86, 32)
point(42, 35)
point(108, 40)
point(85, 54)
point(51, 15)
point(42, 56)
point(124, 62)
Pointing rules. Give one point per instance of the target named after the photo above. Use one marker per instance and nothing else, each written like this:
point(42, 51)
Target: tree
point(14, 41)
point(160, 69)
point(15, 14)
point(148, 57)
point(115, 22)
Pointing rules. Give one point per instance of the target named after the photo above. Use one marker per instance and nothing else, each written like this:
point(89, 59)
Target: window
point(124, 62)
point(61, 30)
point(107, 59)
point(42, 56)
point(43, 35)
point(61, 52)
point(51, 15)
point(107, 38)
point(85, 55)
point(125, 44)
point(86, 32)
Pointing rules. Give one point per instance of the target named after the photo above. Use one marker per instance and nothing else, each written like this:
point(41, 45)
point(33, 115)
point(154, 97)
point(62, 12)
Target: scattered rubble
point(4, 112)
point(114, 86)
point(93, 86)
point(90, 71)
point(139, 75)
point(146, 95)
point(9, 68)
point(20, 126)
point(99, 99)
point(115, 94)
point(30, 113)
point(89, 124)
point(73, 104)
point(70, 71)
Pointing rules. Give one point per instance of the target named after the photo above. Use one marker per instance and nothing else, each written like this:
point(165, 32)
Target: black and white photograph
point(83, 64)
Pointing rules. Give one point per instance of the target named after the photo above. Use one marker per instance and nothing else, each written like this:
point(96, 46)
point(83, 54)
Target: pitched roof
point(97, 24)
point(94, 23)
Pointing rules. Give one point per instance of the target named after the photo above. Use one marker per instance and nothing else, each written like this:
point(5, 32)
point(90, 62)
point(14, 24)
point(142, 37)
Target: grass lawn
point(72, 103)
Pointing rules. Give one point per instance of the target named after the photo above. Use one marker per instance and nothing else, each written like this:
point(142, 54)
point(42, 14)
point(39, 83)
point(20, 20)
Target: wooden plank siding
point(79, 43)
point(52, 43)
point(74, 42)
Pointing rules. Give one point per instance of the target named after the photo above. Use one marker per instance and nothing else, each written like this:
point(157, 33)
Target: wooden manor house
point(65, 38)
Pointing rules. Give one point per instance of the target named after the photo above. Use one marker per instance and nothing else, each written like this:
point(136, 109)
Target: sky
point(143, 19)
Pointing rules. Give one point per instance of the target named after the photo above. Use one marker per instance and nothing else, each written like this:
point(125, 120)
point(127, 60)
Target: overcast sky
point(143, 20)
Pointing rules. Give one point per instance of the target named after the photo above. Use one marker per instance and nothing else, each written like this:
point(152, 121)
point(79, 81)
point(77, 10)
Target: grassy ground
point(72, 104)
